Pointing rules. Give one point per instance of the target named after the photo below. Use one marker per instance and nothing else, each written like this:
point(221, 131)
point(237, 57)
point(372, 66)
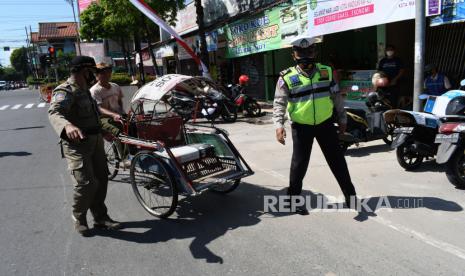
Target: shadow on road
point(374, 204)
point(204, 219)
point(22, 128)
point(429, 166)
point(15, 153)
point(365, 151)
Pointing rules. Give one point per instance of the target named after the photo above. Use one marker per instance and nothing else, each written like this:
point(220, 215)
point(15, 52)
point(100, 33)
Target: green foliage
point(120, 19)
point(121, 79)
point(10, 74)
point(18, 60)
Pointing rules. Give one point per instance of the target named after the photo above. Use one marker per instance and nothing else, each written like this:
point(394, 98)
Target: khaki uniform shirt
point(71, 104)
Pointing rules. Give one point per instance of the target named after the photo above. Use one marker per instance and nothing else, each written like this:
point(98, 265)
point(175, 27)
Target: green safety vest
point(309, 100)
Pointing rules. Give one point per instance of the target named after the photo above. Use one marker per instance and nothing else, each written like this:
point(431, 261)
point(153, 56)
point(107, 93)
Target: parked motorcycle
point(210, 106)
point(417, 130)
point(365, 127)
point(451, 139)
point(244, 102)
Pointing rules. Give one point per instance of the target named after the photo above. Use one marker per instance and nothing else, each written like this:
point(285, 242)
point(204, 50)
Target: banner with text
point(453, 11)
point(327, 17)
point(270, 30)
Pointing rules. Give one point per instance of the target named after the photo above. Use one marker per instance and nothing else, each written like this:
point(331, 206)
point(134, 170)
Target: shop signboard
point(327, 17)
point(453, 11)
point(270, 30)
point(186, 20)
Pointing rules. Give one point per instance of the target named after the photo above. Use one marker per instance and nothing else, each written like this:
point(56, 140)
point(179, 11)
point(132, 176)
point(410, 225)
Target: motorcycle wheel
point(455, 168)
point(389, 134)
point(407, 159)
point(229, 113)
point(253, 108)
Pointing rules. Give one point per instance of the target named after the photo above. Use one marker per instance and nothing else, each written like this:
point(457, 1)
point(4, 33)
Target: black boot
point(80, 225)
point(107, 223)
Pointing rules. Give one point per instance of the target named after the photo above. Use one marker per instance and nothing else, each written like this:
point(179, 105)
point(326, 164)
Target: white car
point(2, 85)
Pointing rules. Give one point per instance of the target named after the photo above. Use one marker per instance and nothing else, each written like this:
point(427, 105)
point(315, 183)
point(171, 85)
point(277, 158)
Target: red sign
point(83, 4)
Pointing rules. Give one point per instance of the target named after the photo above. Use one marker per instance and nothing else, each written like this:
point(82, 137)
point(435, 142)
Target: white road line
point(4, 107)
point(16, 106)
point(41, 105)
point(29, 106)
point(444, 246)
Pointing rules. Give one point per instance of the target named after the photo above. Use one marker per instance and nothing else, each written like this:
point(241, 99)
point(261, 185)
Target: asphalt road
point(225, 235)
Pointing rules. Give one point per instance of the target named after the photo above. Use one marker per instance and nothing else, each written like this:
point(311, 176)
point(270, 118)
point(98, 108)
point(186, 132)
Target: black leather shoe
point(108, 223)
point(301, 211)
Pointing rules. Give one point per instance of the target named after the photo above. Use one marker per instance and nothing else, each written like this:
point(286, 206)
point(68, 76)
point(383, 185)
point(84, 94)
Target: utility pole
point(77, 28)
point(34, 53)
point(203, 40)
point(420, 22)
point(28, 54)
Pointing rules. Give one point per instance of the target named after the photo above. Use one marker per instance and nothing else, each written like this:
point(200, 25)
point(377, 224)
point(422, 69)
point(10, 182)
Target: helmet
point(243, 79)
point(380, 79)
point(305, 45)
point(456, 106)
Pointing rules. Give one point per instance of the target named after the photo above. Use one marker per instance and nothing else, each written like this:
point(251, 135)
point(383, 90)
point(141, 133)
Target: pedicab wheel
point(253, 109)
point(455, 169)
point(112, 159)
point(226, 188)
point(153, 184)
point(408, 159)
point(389, 134)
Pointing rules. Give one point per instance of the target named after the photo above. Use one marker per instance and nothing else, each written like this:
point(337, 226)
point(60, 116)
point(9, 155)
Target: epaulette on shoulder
point(285, 72)
point(64, 87)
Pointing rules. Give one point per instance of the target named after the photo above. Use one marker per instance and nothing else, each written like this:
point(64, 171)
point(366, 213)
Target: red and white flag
point(150, 13)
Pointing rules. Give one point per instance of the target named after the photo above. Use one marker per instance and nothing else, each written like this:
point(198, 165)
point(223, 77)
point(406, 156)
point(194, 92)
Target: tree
point(119, 19)
point(19, 61)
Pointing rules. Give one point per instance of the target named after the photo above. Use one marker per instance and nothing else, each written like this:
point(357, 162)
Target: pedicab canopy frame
point(196, 157)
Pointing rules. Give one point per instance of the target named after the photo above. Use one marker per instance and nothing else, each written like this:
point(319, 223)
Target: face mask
point(90, 78)
point(389, 53)
point(306, 62)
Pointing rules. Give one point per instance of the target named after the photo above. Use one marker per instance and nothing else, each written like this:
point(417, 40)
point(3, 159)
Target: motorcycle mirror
point(355, 88)
point(462, 83)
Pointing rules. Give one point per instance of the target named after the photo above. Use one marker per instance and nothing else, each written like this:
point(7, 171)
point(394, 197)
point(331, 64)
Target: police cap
point(82, 62)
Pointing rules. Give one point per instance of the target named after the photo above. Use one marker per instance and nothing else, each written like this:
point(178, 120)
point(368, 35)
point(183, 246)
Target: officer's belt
point(309, 91)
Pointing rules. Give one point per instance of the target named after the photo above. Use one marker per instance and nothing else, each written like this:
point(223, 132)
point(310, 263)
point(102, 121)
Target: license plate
point(406, 130)
point(447, 138)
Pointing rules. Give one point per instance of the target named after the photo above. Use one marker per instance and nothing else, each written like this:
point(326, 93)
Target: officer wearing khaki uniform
point(308, 93)
point(74, 116)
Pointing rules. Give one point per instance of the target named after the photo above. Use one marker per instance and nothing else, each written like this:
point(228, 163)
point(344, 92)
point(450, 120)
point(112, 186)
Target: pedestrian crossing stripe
point(22, 106)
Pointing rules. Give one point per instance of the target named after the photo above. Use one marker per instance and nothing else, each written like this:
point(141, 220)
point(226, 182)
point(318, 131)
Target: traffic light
point(51, 51)
point(51, 57)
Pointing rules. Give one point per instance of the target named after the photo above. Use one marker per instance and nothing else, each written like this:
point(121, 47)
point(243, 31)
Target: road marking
point(29, 106)
point(16, 106)
point(444, 246)
point(4, 107)
point(41, 105)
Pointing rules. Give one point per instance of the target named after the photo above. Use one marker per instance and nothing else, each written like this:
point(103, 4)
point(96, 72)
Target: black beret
point(82, 61)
